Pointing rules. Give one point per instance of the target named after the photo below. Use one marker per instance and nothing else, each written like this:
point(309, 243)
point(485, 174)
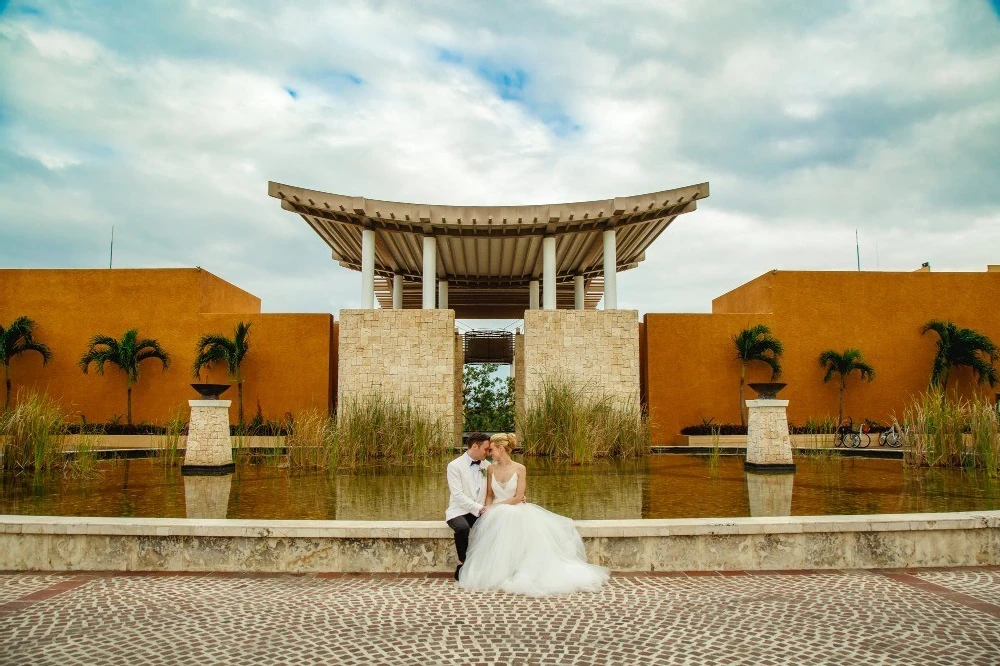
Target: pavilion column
point(367, 269)
point(397, 292)
point(610, 270)
point(578, 302)
point(430, 271)
point(549, 273)
point(533, 295)
point(443, 294)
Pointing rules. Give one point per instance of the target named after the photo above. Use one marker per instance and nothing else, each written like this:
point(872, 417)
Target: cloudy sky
point(809, 119)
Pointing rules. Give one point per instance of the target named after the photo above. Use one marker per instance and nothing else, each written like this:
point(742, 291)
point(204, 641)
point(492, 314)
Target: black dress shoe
point(457, 569)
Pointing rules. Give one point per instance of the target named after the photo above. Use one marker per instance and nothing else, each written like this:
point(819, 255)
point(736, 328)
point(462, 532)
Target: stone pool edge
point(66, 543)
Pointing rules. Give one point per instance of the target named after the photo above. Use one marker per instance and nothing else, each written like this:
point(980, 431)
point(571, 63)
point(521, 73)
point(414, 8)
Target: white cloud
point(809, 121)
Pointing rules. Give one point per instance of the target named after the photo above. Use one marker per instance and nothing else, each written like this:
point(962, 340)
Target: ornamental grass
point(957, 432)
point(581, 423)
point(32, 434)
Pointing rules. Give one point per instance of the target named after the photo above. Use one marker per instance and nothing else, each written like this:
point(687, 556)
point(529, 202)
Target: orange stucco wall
point(290, 366)
point(692, 372)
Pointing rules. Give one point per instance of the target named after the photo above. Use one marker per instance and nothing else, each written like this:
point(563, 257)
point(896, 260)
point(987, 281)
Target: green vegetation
point(14, 341)
point(217, 348)
point(127, 354)
point(32, 434)
point(952, 433)
point(843, 365)
point(755, 344)
point(961, 347)
point(567, 420)
point(489, 400)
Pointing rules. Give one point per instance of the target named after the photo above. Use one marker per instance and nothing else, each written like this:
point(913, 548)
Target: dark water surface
point(661, 486)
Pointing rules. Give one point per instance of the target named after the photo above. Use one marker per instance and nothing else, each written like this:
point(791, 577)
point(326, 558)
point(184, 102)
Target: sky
point(810, 120)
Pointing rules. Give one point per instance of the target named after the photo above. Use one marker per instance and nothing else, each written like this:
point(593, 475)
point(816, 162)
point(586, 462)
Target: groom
point(467, 483)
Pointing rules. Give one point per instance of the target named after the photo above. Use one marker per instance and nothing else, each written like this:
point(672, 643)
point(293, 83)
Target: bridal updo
point(507, 439)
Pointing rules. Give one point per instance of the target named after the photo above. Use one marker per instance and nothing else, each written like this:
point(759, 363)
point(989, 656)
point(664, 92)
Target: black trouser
point(462, 525)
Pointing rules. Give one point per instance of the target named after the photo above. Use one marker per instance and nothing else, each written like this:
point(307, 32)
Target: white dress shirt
point(467, 485)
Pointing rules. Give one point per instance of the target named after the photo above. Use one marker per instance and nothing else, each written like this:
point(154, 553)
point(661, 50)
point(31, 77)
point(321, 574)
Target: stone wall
point(459, 386)
point(597, 349)
point(72, 543)
point(405, 354)
point(518, 373)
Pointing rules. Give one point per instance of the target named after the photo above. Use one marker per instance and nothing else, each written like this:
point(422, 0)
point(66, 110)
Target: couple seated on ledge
point(503, 542)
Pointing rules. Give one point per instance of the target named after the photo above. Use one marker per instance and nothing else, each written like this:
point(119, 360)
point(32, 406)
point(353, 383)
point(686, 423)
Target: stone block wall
point(405, 354)
point(596, 349)
point(518, 373)
point(459, 386)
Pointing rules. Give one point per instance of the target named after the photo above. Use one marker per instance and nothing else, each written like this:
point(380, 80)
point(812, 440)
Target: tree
point(843, 365)
point(756, 344)
point(217, 348)
point(127, 354)
point(14, 341)
point(961, 347)
point(489, 400)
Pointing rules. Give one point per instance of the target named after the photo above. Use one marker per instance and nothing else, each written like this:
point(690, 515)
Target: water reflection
point(664, 486)
point(207, 496)
point(769, 494)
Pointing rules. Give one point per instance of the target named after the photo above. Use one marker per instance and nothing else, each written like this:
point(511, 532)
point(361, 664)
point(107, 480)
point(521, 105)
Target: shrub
point(32, 435)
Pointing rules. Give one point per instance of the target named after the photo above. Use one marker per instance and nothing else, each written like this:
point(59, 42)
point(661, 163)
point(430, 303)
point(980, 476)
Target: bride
point(522, 548)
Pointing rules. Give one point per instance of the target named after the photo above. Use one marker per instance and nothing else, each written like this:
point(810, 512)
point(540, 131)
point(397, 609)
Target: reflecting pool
point(660, 486)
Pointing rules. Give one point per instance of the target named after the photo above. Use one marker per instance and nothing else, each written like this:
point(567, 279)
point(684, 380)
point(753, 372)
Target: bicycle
point(891, 437)
point(847, 437)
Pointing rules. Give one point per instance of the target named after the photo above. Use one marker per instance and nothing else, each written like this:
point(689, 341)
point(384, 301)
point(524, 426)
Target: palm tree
point(756, 344)
point(843, 365)
point(14, 341)
point(961, 346)
point(214, 348)
point(127, 354)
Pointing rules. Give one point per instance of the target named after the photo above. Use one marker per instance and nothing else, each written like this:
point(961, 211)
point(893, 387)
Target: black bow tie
point(475, 463)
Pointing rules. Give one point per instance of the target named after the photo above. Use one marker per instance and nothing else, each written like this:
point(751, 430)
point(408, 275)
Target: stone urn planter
point(209, 449)
point(767, 390)
point(769, 445)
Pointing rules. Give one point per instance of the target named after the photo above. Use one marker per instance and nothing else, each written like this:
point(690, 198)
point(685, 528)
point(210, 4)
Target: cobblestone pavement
point(851, 617)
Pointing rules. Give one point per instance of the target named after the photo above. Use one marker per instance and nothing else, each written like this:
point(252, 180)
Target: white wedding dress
point(524, 549)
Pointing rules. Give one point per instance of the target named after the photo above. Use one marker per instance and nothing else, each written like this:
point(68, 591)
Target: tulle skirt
point(525, 549)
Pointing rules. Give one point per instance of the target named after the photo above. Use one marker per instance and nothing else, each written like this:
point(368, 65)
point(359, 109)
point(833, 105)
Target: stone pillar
point(533, 295)
point(430, 271)
point(770, 494)
point(443, 295)
point(549, 273)
point(207, 496)
point(397, 292)
point(209, 449)
point(769, 447)
point(367, 269)
point(578, 293)
point(610, 270)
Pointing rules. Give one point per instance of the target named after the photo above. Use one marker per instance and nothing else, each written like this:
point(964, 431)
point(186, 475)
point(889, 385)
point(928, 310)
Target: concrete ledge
point(65, 543)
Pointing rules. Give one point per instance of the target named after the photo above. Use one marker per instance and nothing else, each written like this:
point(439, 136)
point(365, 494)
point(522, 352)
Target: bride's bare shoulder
point(520, 468)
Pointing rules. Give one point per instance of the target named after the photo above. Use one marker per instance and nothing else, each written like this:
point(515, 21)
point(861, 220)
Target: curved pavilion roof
point(489, 254)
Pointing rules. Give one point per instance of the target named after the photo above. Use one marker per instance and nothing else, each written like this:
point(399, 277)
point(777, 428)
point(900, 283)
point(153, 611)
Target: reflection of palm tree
point(14, 341)
point(217, 348)
point(961, 347)
point(843, 365)
point(127, 354)
point(756, 344)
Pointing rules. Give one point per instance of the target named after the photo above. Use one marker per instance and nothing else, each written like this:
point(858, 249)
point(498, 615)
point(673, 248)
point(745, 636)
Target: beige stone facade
point(596, 349)
point(409, 355)
point(768, 442)
point(518, 373)
point(208, 441)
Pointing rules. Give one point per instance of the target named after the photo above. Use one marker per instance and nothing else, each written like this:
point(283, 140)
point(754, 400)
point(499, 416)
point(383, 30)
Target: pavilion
point(428, 265)
point(489, 261)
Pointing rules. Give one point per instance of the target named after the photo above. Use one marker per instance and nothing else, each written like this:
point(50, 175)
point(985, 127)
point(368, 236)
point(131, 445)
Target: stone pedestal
point(207, 496)
point(209, 449)
point(770, 494)
point(769, 446)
